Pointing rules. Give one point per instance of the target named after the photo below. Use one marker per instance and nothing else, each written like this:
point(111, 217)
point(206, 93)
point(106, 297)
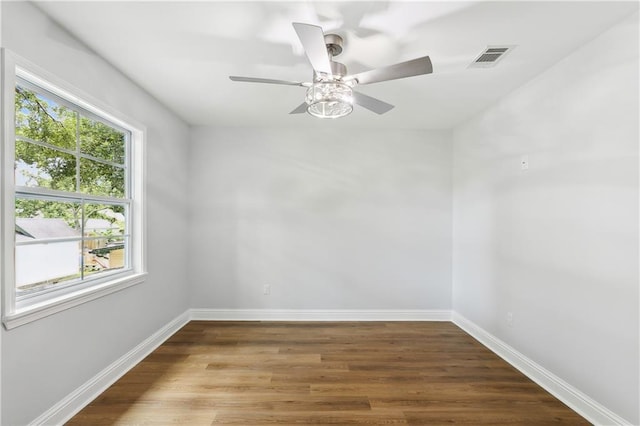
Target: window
point(73, 205)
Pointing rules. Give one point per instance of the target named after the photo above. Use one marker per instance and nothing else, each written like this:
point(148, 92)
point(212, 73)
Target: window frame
point(16, 312)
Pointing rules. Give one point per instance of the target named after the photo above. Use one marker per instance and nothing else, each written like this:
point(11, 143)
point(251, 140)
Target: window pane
point(47, 219)
point(101, 141)
point(104, 254)
point(71, 216)
point(40, 266)
point(101, 179)
point(42, 119)
point(104, 220)
point(37, 166)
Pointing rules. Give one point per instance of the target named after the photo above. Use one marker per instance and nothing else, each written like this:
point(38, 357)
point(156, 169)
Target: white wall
point(37, 263)
point(1, 300)
point(44, 361)
point(330, 218)
point(557, 245)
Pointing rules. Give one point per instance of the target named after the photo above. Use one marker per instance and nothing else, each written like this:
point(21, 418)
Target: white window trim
point(12, 316)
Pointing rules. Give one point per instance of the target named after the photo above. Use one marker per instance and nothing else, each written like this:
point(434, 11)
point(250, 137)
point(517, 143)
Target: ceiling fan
point(331, 93)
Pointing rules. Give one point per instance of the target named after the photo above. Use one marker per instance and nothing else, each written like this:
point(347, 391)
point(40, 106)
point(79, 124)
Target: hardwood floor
point(297, 373)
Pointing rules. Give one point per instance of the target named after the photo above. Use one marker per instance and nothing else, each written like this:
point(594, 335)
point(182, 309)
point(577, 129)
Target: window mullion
point(82, 241)
point(52, 195)
point(77, 153)
point(100, 160)
point(48, 241)
point(45, 145)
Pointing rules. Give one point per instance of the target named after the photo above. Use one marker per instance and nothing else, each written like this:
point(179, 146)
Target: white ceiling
point(183, 52)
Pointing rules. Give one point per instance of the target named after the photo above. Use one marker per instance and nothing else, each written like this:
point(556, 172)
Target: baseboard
point(78, 399)
point(572, 397)
point(319, 315)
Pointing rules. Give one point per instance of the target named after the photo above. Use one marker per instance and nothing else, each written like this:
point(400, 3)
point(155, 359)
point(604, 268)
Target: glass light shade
point(329, 99)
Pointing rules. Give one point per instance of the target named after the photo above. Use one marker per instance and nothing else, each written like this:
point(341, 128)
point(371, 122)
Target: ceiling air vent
point(490, 56)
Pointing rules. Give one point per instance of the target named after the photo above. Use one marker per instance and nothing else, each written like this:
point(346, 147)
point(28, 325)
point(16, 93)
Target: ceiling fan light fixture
point(329, 99)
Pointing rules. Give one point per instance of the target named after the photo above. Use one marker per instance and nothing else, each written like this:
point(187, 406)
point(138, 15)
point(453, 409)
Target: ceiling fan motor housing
point(338, 69)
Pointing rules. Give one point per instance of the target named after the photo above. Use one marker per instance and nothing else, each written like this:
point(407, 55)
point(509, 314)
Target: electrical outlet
point(510, 319)
point(266, 289)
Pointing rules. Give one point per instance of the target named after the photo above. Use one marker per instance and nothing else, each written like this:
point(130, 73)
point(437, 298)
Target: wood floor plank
point(329, 373)
point(264, 418)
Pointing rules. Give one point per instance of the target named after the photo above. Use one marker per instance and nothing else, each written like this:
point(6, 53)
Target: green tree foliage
point(61, 163)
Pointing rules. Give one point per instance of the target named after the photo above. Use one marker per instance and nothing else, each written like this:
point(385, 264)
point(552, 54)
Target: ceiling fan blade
point(265, 80)
point(300, 109)
point(312, 38)
point(410, 68)
point(372, 104)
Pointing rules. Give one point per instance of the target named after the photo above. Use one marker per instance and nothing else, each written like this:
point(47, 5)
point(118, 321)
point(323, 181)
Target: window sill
point(68, 301)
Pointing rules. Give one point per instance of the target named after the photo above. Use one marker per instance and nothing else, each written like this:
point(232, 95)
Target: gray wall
point(557, 245)
point(44, 361)
point(330, 218)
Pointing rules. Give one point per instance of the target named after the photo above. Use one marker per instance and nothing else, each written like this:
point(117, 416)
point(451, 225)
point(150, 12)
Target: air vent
point(490, 56)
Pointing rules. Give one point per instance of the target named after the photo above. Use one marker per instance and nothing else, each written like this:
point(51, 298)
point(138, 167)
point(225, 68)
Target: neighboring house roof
point(106, 250)
point(21, 231)
point(37, 227)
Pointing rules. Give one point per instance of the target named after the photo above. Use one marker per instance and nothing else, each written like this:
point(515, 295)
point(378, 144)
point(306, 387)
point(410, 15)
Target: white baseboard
point(572, 397)
point(78, 399)
point(319, 315)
